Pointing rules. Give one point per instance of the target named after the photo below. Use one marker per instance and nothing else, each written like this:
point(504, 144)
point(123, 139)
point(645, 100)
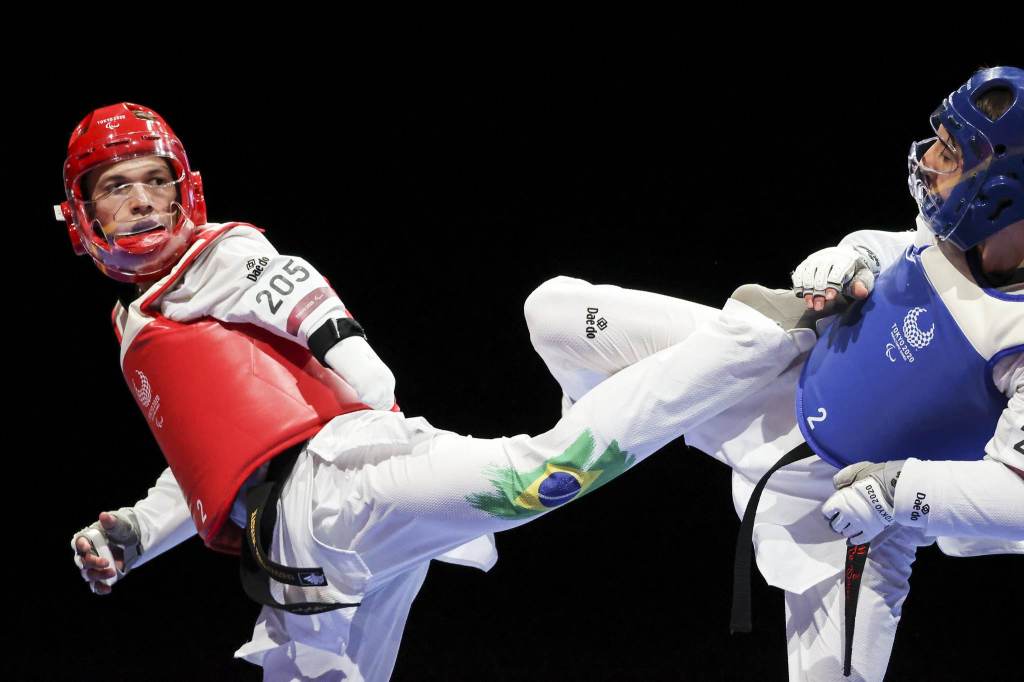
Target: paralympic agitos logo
point(150, 403)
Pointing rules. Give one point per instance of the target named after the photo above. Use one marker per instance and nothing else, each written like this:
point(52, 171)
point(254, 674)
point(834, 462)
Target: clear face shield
point(130, 213)
point(135, 210)
point(934, 165)
point(938, 171)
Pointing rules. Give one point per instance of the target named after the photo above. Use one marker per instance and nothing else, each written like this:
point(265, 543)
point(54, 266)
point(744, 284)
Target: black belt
point(255, 567)
point(856, 555)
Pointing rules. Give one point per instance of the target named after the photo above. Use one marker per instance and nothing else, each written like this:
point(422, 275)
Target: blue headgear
point(990, 192)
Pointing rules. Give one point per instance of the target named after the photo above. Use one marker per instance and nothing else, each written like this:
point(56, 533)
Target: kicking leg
point(587, 332)
point(452, 489)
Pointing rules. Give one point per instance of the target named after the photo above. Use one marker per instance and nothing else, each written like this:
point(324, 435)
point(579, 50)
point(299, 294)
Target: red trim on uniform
point(118, 332)
point(305, 306)
point(183, 265)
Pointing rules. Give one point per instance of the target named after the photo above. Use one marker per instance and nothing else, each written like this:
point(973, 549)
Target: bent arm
point(973, 499)
point(243, 279)
point(887, 247)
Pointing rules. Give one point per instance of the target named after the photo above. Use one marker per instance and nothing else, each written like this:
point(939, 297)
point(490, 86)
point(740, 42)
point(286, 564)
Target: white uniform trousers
point(376, 495)
point(795, 548)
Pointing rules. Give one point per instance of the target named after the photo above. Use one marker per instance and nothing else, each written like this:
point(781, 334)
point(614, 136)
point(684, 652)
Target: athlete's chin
point(1003, 252)
point(1000, 265)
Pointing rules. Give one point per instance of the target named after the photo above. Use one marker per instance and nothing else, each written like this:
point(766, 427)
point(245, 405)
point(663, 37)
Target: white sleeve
point(241, 278)
point(1007, 444)
point(974, 499)
point(888, 247)
point(164, 519)
point(961, 499)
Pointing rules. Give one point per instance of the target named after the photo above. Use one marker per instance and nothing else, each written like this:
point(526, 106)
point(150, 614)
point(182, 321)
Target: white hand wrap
point(124, 535)
point(836, 267)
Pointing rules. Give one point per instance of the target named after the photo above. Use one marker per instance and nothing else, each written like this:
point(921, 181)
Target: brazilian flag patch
point(520, 495)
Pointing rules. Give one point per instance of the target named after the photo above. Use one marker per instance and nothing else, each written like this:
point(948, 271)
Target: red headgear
point(140, 243)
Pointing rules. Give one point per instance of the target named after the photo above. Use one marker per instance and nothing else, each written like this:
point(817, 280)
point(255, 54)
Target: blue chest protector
point(897, 377)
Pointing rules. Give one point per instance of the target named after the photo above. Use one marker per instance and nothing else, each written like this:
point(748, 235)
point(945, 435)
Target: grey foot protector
point(784, 307)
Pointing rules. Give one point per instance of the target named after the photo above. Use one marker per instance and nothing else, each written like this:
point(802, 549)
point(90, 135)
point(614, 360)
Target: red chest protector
point(222, 399)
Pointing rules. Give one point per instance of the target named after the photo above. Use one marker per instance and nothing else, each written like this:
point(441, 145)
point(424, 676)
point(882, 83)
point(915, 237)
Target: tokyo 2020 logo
point(915, 336)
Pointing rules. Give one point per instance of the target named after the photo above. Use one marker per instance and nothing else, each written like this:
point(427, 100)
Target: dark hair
point(994, 102)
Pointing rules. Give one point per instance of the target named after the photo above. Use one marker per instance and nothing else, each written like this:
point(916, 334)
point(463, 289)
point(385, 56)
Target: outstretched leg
point(370, 524)
point(585, 333)
point(453, 488)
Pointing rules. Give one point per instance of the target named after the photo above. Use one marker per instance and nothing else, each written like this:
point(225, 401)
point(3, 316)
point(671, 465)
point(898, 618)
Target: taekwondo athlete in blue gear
point(796, 549)
point(968, 182)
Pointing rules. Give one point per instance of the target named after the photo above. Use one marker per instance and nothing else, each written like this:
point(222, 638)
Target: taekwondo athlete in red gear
point(960, 271)
point(373, 495)
point(138, 225)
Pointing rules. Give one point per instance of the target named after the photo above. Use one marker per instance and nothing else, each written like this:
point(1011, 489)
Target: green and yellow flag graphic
point(520, 495)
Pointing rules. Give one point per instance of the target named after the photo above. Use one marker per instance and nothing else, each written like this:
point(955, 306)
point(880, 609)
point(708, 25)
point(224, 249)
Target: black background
point(435, 195)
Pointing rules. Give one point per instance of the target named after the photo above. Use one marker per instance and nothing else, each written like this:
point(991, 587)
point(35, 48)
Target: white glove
point(837, 269)
point(106, 550)
point(862, 507)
